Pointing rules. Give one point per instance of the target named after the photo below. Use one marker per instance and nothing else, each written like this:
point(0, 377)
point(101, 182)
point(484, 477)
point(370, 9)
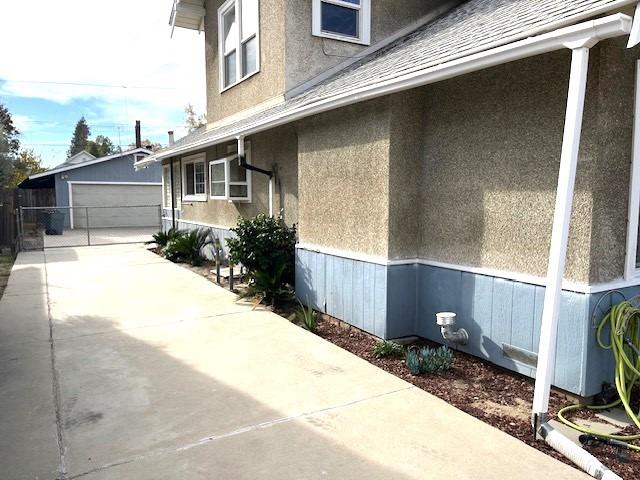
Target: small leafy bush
point(308, 318)
point(161, 239)
point(265, 246)
point(188, 247)
point(385, 348)
point(429, 360)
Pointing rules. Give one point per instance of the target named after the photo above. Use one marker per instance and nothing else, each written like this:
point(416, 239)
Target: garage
point(108, 205)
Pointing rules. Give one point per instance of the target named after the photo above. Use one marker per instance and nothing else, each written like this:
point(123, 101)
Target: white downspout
point(271, 196)
point(555, 269)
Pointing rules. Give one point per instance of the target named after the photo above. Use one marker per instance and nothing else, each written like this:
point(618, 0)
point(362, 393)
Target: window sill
point(190, 198)
point(229, 87)
point(341, 38)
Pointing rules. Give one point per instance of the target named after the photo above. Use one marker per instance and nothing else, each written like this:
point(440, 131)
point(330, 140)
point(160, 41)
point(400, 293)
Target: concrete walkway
point(115, 364)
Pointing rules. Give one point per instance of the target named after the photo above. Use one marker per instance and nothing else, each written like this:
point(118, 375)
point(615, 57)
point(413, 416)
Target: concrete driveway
point(115, 364)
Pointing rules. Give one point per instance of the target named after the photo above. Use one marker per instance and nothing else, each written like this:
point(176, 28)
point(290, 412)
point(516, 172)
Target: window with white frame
point(238, 39)
point(194, 178)
point(346, 20)
point(229, 181)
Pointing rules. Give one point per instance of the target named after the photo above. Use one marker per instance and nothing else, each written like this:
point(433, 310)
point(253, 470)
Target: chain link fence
point(51, 227)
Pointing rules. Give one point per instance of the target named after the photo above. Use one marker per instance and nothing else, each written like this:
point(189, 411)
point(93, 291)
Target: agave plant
point(161, 239)
point(188, 247)
point(308, 317)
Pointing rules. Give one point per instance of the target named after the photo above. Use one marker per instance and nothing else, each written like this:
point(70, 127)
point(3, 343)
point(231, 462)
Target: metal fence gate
point(52, 227)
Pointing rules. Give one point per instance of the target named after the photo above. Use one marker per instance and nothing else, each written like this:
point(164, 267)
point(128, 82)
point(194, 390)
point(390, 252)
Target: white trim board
point(91, 162)
point(91, 182)
point(199, 224)
point(491, 272)
point(633, 210)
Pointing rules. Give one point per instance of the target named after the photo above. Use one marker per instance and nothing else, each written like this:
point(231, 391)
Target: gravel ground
point(494, 395)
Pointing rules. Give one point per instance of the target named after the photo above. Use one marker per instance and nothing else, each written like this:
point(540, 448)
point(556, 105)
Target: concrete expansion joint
point(238, 431)
point(55, 385)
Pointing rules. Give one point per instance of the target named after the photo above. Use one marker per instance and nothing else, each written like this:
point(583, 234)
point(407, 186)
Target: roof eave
point(521, 46)
point(90, 162)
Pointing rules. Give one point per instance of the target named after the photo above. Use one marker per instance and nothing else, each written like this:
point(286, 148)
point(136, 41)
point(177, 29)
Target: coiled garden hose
point(624, 324)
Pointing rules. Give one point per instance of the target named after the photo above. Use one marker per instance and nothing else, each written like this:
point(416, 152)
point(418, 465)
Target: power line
point(87, 84)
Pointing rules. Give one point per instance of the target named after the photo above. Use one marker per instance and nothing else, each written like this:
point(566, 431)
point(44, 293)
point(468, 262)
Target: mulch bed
point(490, 393)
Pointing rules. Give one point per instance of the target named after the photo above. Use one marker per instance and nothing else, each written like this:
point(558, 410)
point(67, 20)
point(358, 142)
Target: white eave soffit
point(188, 14)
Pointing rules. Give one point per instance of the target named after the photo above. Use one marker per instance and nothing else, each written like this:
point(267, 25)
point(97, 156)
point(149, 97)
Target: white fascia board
point(90, 162)
point(589, 32)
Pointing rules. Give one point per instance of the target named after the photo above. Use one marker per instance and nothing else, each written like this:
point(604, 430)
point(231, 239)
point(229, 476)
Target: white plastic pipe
point(560, 232)
point(271, 196)
point(577, 455)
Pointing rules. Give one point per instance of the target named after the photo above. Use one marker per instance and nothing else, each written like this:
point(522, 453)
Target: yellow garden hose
point(624, 323)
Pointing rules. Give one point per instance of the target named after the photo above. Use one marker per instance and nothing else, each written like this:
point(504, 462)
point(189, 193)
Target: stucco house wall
point(274, 150)
point(289, 54)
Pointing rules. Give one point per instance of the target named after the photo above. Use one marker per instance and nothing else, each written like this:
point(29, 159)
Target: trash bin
point(54, 222)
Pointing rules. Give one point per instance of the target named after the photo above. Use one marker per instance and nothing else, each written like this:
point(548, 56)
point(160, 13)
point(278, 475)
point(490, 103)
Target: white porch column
point(560, 232)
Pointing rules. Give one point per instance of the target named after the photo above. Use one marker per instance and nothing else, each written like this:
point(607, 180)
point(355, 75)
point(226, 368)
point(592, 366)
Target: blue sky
point(122, 68)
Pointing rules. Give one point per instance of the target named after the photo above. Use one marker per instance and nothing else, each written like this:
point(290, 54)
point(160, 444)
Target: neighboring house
point(417, 146)
point(112, 181)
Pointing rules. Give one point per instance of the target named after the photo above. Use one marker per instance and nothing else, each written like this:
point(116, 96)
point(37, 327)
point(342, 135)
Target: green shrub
point(188, 247)
point(265, 246)
point(429, 360)
point(161, 239)
point(385, 348)
point(308, 317)
point(269, 287)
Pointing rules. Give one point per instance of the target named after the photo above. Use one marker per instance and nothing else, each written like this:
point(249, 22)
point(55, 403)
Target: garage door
point(120, 205)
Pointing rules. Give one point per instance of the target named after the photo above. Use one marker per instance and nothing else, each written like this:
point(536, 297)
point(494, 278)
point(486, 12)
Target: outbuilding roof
point(469, 28)
point(72, 166)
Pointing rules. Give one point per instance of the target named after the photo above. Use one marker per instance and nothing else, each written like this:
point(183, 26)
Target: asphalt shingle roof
point(473, 26)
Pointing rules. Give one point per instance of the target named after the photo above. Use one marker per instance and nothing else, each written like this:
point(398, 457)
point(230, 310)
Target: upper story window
point(193, 178)
point(347, 20)
point(238, 39)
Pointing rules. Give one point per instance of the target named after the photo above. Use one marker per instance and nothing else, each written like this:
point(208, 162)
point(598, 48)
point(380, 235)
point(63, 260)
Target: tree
point(9, 145)
point(80, 138)
point(148, 144)
point(27, 163)
point(101, 146)
point(193, 121)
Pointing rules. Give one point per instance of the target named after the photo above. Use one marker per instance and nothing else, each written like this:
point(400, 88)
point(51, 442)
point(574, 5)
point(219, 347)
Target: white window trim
point(165, 170)
point(199, 197)
point(224, 161)
point(239, 60)
point(228, 183)
point(364, 21)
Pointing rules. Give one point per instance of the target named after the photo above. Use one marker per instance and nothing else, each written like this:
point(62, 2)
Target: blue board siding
point(351, 290)
point(401, 300)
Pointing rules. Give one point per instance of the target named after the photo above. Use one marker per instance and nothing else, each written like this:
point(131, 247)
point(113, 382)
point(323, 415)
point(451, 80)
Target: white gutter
point(602, 28)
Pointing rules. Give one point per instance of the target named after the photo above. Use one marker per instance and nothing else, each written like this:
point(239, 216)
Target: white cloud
point(120, 42)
